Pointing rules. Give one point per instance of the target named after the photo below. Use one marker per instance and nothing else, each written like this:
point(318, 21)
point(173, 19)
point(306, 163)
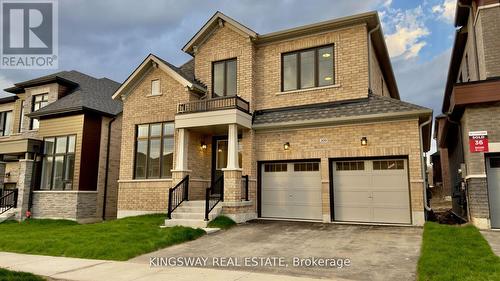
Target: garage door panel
point(291, 194)
point(352, 197)
point(391, 215)
point(352, 213)
point(369, 195)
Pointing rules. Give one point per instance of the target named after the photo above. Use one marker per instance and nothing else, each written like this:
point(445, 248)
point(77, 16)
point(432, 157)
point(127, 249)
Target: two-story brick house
point(304, 123)
point(471, 115)
point(54, 147)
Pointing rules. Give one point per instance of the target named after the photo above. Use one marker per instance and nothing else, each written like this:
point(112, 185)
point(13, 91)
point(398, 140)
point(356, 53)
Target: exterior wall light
point(364, 141)
point(286, 146)
point(203, 145)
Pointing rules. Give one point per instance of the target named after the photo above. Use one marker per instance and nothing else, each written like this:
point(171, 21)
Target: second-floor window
point(58, 163)
point(5, 123)
point(21, 118)
point(307, 68)
point(224, 78)
point(39, 101)
point(154, 151)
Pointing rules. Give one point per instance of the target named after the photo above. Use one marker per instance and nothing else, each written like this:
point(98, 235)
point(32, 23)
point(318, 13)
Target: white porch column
point(181, 151)
point(181, 156)
point(232, 148)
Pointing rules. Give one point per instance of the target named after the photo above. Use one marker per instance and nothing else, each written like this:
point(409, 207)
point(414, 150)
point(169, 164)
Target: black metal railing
point(177, 194)
point(214, 104)
point(214, 195)
point(244, 187)
point(8, 200)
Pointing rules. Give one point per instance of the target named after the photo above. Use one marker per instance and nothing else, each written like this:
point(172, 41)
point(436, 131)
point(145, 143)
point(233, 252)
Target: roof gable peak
point(217, 20)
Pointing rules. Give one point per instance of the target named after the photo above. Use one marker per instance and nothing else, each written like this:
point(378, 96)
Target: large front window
point(307, 68)
point(39, 101)
point(224, 78)
point(5, 123)
point(58, 163)
point(154, 151)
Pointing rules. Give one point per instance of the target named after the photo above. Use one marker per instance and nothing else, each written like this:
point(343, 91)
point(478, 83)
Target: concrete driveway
point(375, 252)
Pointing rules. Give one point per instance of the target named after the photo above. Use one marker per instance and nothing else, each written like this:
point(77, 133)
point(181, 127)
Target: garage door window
point(388, 165)
point(350, 166)
point(306, 167)
point(275, 167)
point(494, 162)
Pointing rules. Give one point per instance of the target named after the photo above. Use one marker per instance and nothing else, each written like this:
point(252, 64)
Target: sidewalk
point(96, 270)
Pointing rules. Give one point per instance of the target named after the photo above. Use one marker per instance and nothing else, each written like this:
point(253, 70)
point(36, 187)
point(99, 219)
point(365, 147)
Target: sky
point(110, 38)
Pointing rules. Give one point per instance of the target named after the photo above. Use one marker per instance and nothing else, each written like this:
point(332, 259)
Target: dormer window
point(39, 101)
point(224, 78)
point(307, 68)
point(155, 87)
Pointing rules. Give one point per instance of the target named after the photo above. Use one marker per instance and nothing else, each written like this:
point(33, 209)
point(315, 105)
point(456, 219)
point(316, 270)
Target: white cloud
point(407, 31)
point(4, 83)
point(445, 11)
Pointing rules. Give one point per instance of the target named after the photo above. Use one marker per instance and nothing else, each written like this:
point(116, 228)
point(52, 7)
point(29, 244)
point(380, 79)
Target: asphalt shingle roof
point(90, 93)
point(186, 70)
point(358, 107)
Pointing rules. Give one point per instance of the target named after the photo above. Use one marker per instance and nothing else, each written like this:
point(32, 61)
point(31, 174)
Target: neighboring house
point(471, 115)
point(311, 115)
point(54, 146)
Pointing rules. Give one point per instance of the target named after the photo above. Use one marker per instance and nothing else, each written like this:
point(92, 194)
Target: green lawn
point(456, 253)
point(7, 275)
point(222, 222)
point(111, 240)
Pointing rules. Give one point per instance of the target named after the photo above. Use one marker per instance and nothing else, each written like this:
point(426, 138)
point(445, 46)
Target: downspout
point(106, 169)
point(422, 158)
point(370, 57)
point(472, 20)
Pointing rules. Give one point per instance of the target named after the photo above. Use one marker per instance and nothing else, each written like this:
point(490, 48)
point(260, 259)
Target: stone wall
point(73, 205)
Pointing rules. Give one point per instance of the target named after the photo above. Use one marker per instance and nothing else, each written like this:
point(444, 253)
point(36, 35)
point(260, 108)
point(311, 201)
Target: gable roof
point(209, 26)
point(370, 19)
point(57, 77)
point(183, 74)
point(88, 94)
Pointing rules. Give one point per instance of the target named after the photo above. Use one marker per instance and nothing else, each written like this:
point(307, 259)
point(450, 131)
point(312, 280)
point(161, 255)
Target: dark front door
point(219, 156)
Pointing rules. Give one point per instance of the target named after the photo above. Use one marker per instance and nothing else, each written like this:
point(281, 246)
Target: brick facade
point(258, 82)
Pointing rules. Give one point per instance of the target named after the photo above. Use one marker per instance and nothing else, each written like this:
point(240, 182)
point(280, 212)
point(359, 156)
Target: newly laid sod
point(456, 253)
point(111, 240)
point(7, 275)
point(222, 222)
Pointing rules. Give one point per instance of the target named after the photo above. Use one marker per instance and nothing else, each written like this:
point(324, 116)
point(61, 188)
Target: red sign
point(478, 141)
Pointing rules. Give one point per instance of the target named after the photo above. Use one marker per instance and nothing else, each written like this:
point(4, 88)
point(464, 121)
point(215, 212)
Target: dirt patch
point(444, 217)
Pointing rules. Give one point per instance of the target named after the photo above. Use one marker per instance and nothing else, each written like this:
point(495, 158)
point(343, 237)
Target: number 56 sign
point(478, 141)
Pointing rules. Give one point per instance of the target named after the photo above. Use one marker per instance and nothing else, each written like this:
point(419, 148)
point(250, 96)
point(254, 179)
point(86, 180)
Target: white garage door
point(493, 172)
point(291, 190)
point(371, 191)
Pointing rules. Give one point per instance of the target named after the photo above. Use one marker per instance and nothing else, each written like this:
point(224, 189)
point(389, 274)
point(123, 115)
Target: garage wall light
point(203, 145)
point(286, 146)
point(364, 141)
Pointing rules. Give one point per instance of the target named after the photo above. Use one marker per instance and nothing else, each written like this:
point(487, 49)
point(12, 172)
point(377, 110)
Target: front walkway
point(493, 238)
point(96, 270)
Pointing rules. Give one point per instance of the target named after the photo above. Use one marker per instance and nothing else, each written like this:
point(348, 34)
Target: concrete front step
point(10, 214)
point(182, 215)
point(192, 214)
point(194, 223)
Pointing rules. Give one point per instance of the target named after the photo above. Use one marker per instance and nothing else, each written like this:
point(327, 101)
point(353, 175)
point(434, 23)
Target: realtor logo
point(29, 34)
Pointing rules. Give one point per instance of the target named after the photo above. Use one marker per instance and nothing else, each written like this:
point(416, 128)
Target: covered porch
point(214, 147)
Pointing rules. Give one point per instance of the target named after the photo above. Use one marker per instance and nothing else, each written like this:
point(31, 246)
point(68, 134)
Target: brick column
point(232, 185)
point(24, 187)
point(2, 174)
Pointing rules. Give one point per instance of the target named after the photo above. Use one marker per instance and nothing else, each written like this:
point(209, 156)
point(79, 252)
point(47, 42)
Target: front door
point(493, 172)
point(219, 155)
